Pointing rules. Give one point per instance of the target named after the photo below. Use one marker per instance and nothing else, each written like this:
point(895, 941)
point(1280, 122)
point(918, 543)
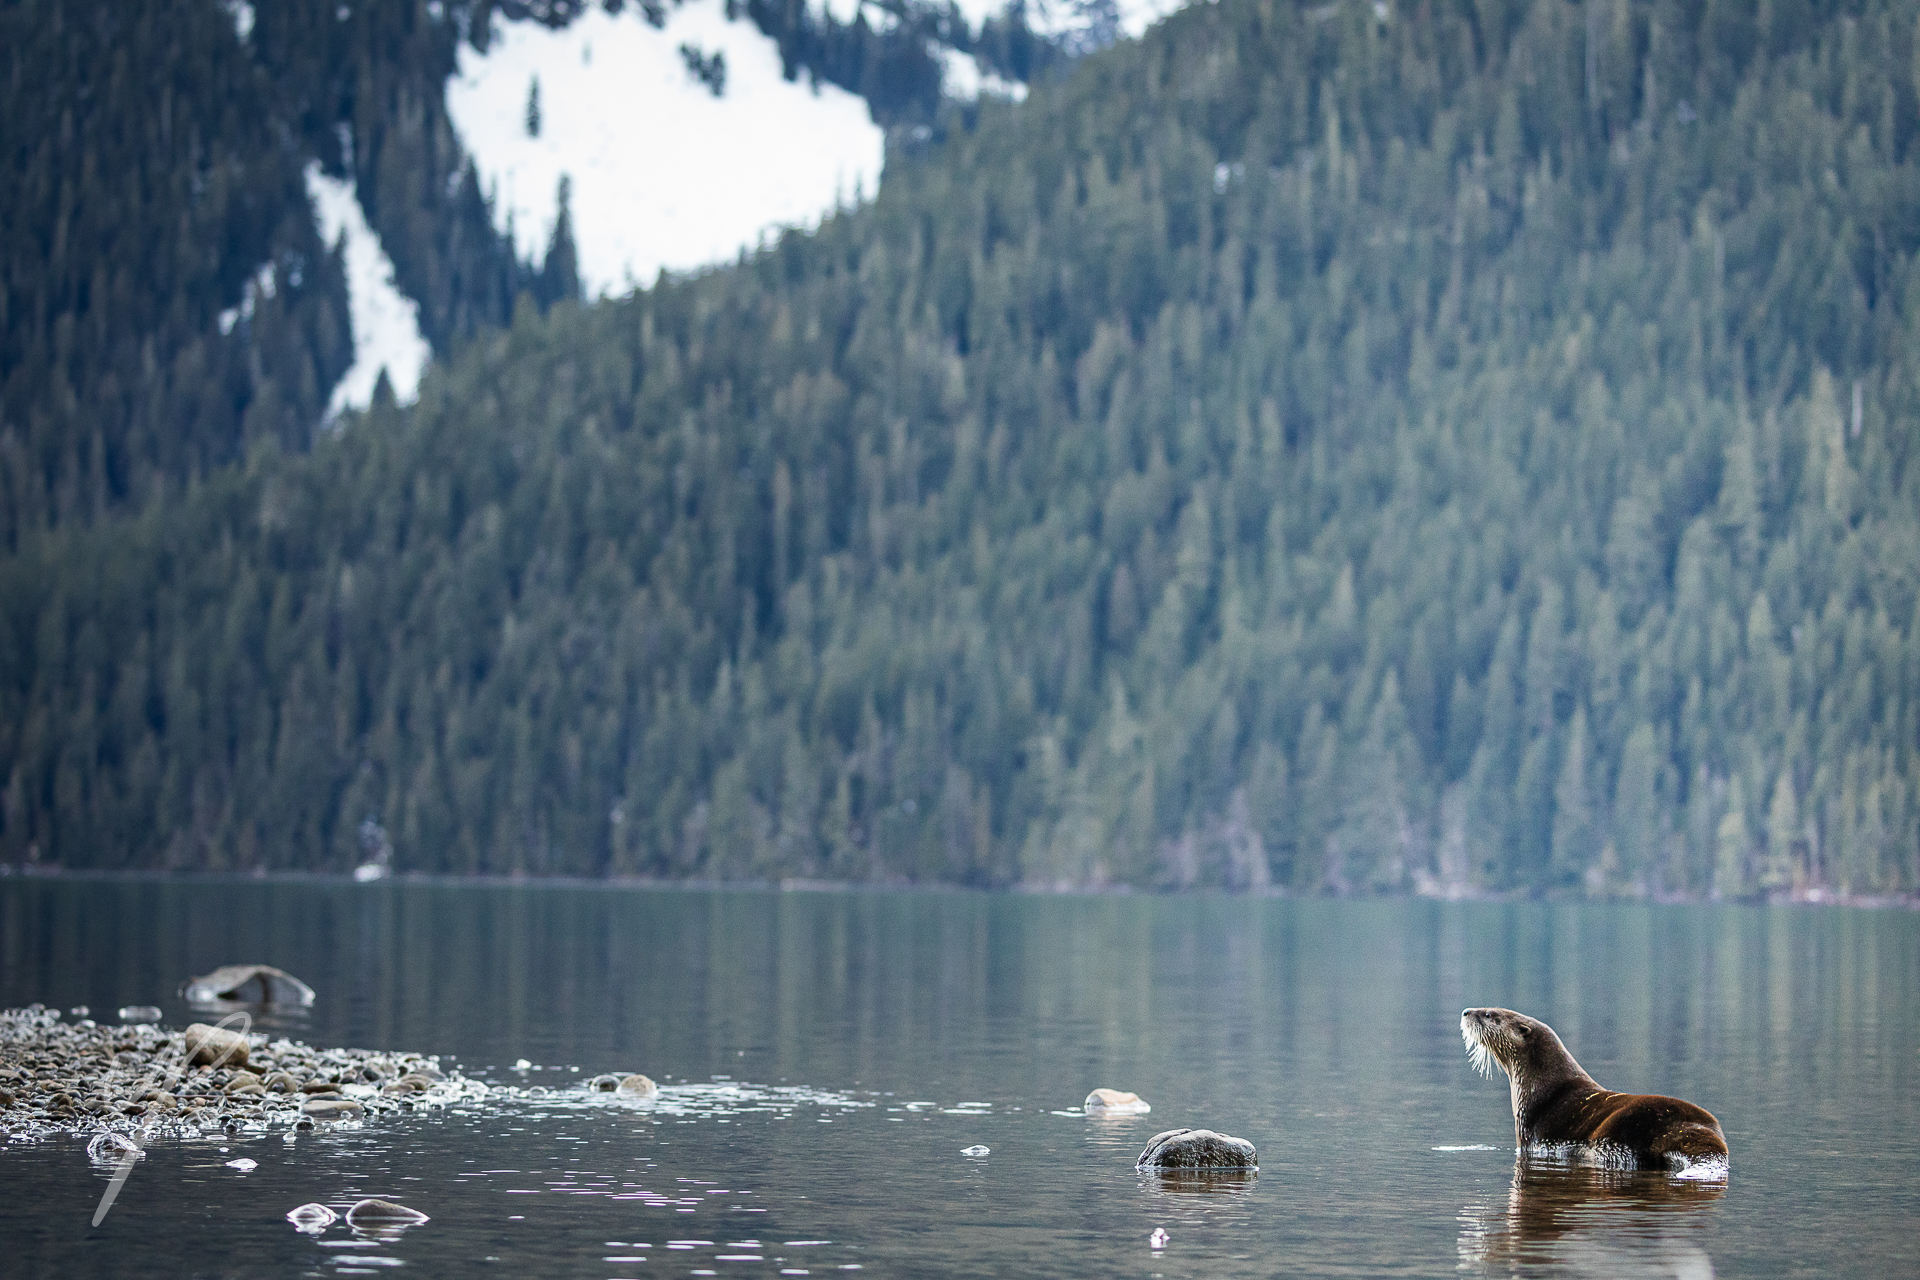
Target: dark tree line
point(1464, 450)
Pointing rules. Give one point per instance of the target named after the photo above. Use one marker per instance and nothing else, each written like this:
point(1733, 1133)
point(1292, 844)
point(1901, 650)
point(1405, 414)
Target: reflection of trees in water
point(1574, 1220)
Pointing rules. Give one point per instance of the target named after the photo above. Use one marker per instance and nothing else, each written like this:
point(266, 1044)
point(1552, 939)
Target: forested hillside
point(147, 191)
point(1350, 448)
point(165, 300)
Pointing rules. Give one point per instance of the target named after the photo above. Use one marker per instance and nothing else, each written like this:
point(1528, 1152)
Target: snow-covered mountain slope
point(386, 323)
point(664, 173)
point(1082, 23)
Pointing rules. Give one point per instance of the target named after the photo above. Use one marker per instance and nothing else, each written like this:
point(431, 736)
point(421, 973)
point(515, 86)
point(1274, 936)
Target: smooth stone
point(319, 1086)
point(1114, 1102)
point(242, 1080)
point(281, 1082)
point(333, 1109)
point(312, 1218)
point(207, 1045)
point(1183, 1149)
point(638, 1086)
point(378, 1217)
point(247, 984)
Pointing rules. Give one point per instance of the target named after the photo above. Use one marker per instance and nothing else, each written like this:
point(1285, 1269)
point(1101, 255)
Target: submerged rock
point(247, 984)
point(383, 1218)
point(1115, 1103)
point(1178, 1150)
point(112, 1148)
point(333, 1109)
point(627, 1086)
point(312, 1218)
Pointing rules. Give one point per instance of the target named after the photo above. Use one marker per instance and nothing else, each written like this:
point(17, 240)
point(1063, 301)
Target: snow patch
point(962, 76)
point(1085, 24)
point(663, 173)
point(386, 323)
point(242, 14)
point(260, 286)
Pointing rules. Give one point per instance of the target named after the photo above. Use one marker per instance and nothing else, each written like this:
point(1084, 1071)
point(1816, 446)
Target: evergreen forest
point(1454, 446)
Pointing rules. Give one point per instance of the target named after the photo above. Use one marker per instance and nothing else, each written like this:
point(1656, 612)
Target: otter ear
point(1522, 1029)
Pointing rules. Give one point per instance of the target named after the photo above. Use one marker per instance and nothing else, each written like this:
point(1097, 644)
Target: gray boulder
point(247, 984)
point(1182, 1150)
point(637, 1086)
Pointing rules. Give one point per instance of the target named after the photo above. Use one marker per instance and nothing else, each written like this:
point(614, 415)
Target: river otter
point(1559, 1107)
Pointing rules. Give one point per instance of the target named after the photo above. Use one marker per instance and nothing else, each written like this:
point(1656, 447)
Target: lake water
point(828, 1056)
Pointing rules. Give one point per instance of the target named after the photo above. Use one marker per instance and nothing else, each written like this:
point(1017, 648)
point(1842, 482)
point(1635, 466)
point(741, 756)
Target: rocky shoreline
point(83, 1077)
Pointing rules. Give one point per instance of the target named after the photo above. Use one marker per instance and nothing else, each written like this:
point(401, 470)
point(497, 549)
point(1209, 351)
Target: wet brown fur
point(1556, 1103)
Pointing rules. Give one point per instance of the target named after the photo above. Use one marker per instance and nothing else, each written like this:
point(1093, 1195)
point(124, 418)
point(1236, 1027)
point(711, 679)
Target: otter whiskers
point(1477, 1052)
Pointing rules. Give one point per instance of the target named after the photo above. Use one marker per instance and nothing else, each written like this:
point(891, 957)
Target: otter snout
point(1481, 1030)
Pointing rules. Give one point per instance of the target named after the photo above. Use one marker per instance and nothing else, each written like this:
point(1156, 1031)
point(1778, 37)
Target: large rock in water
point(247, 984)
point(1115, 1103)
point(1184, 1150)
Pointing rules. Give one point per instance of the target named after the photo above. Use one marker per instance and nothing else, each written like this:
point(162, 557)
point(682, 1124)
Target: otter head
point(1525, 1048)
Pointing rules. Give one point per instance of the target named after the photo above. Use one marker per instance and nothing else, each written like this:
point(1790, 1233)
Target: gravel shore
point(82, 1077)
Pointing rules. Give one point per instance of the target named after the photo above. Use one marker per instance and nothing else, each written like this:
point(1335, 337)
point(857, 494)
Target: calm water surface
point(828, 1056)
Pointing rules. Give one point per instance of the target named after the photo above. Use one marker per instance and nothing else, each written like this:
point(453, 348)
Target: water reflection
point(1199, 1182)
point(823, 1059)
point(1562, 1219)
